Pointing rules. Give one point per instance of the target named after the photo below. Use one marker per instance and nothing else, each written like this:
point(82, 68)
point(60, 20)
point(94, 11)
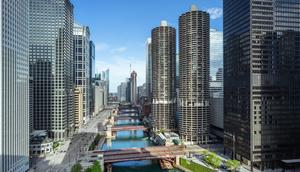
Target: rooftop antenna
point(130, 70)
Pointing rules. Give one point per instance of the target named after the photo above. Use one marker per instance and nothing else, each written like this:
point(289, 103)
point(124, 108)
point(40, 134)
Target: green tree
point(232, 164)
point(88, 170)
point(96, 167)
point(76, 168)
point(213, 159)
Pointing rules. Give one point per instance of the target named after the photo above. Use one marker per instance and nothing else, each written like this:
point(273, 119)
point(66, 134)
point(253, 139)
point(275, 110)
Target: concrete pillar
point(108, 168)
point(177, 160)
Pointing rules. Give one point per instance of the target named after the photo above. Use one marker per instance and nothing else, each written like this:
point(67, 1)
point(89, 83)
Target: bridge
point(128, 112)
point(136, 154)
point(128, 128)
point(126, 117)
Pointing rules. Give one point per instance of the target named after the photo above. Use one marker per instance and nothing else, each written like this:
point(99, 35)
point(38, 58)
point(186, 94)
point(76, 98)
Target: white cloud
point(215, 13)
point(118, 50)
point(119, 68)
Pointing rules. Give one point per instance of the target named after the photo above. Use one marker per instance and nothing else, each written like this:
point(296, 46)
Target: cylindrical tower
point(163, 76)
point(194, 76)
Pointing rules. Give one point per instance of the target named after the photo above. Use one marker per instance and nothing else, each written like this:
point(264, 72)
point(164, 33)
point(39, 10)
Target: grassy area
point(194, 166)
point(95, 142)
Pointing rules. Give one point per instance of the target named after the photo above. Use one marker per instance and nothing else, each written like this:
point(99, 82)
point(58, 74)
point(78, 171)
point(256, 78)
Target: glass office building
point(82, 68)
point(262, 81)
point(51, 66)
point(14, 86)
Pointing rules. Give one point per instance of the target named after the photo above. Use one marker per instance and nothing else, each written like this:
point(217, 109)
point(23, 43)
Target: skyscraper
point(105, 77)
point(194, 76)
point(133, 87)
point(51, 65)
point(82, 68)
point(92, 75)
point(148, 67)
point(14, 86)
point(163, 54)
point(262, 81)
point(216, 95)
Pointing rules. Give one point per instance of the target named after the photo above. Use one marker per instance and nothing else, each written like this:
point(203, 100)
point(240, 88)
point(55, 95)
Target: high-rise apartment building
point(82, 60)
point(14, 86)
point(148, 68)
point(194, 76)
point(262, 81)
point(51, 65)
point(163, 55)
point(133, 87)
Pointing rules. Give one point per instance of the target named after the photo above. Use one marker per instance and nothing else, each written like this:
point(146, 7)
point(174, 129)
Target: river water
point(130, 139)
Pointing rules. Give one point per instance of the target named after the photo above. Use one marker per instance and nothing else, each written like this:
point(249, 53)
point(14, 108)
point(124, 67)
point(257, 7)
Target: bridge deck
point(132, 154)
point(128, 128)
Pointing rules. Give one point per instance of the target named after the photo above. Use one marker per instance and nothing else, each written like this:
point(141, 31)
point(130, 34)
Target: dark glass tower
point(163, 54)
point(194, 76)
point(51, 65)
point(262, 80)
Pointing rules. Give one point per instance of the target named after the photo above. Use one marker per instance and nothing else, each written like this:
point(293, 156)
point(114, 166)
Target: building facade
point(14, 86)
point(51, 66)
point(105, 77)
point(262, 81)
point(148, 67)
point(194, 76)
point(78, 107)
point(128, 90)
point(92, 75)
point(216, 98)
point(133, 87)
point(82, 60)
point(163, 54)
point(101, 97)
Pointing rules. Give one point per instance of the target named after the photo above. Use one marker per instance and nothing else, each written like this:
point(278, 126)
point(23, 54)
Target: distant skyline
point(120, 30)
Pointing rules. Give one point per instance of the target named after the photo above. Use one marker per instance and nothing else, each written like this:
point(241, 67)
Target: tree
point(88, 170)
point(76, 168)
point(232, 164)
point(96, 167)
point(213, 159)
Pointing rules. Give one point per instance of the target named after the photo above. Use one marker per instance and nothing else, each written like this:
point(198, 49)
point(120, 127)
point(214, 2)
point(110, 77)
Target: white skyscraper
point(14, 86)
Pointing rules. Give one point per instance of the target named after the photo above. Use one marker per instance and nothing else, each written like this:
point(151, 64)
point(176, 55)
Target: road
point(69, 152)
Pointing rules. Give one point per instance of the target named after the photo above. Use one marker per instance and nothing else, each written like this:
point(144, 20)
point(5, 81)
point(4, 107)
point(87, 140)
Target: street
point(69, 152)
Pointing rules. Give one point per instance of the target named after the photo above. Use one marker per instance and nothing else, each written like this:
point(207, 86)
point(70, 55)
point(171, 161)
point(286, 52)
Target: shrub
point(76, 168)
point(232, 164)
point(213, 159)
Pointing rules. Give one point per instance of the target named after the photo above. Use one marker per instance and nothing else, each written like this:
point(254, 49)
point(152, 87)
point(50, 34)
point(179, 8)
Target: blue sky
point(119, 29)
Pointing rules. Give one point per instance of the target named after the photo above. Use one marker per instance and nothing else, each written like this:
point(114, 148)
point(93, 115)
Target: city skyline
point(117, 48)
point(102, 86)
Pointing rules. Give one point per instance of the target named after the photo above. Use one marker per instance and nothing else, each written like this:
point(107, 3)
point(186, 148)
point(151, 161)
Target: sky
point(119, 29)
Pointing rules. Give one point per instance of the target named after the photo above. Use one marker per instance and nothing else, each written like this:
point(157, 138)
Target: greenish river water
point(130, 139)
